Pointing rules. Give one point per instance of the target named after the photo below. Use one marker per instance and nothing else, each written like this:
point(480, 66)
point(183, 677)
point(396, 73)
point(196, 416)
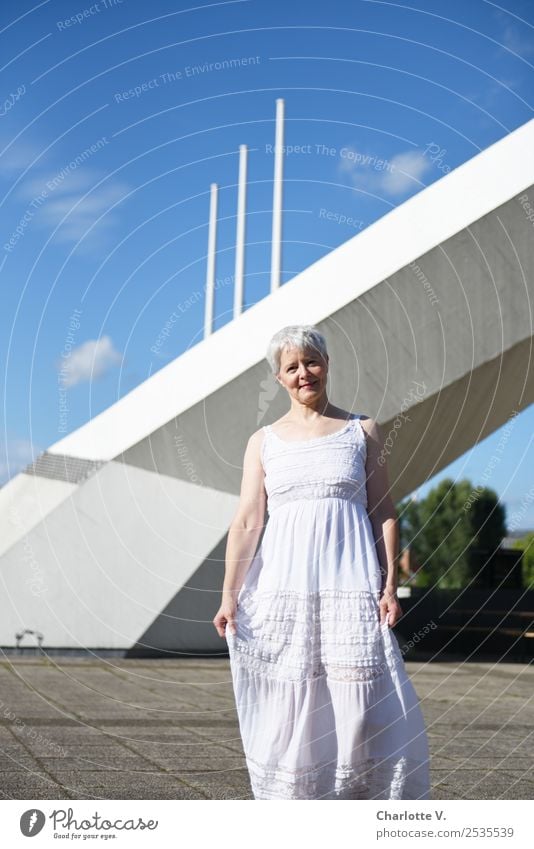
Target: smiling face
point(303, 373)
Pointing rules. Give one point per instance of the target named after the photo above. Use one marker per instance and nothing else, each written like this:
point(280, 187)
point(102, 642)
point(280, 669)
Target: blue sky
point(118, 116)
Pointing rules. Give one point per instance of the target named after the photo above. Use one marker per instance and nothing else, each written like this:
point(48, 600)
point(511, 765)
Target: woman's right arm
point(244, 532)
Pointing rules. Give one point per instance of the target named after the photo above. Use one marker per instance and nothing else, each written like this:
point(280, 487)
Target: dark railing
point(469, 622)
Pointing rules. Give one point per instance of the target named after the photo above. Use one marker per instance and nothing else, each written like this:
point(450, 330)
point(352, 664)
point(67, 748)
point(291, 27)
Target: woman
point(325, 707)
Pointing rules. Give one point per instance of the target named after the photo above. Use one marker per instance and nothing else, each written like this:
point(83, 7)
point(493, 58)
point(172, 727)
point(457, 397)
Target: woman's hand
point(226, 616)
point(389, 605)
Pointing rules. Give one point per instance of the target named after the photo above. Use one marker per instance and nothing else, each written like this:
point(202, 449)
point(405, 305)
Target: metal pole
point(210, 273)
point(240, 235)
point(277, 196)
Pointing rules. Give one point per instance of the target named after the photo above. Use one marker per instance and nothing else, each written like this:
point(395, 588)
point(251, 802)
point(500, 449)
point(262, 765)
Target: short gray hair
point(304, 337)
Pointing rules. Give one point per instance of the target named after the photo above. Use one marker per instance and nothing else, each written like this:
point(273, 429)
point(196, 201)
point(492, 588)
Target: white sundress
point(325, 707)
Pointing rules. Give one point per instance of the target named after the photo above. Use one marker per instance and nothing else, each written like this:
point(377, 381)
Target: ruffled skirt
point(325, 707)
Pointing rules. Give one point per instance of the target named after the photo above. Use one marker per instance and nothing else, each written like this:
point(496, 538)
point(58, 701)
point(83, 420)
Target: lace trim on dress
point(330, 471)
point(290, 636)
point(374, 778)
point(348, 674)
point(342, 673)
point(313, 490)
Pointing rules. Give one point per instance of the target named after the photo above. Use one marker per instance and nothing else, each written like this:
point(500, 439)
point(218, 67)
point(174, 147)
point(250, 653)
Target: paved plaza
point(111, 728)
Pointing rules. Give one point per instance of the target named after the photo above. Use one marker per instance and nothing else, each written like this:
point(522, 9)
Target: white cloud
point(82, 213)
point(88, 361)
point(407, 170)
point(393, 176)
point(516, 42)
point(489, 93)
point(49, 196)
point(16, 156)
point(515, 36)
point(15, 455)
point(74, 180)
point(66, 199)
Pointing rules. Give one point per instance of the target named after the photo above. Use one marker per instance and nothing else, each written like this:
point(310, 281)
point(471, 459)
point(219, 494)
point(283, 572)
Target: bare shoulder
point(370, 426)
point(255, 442)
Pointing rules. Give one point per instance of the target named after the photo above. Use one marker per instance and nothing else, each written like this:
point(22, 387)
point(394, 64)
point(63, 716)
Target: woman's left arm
point(384, 521)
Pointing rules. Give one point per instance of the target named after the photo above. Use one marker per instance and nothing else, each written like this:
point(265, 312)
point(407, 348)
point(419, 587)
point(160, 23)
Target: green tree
point(443, 529)
point(526, 544)
point(488, 520)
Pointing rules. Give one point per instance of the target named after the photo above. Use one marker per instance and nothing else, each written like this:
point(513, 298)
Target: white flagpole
point(277, 197)
point(210, 274)
point(240, 235)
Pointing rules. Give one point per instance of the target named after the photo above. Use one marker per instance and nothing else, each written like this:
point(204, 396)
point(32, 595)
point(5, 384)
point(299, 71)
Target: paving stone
point(94, 785)
point(199, 750)
point(115, 766)
point(126, 735)
point(102, 753)
point(167, 728)
point(209, 765)
point(15, 760)
point(23, 784)
point(32, 792)
point(233, 785)
point(479, 748)
point(480, 784)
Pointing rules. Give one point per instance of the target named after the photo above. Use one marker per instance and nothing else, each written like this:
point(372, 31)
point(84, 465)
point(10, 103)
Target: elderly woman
point(326, 709)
